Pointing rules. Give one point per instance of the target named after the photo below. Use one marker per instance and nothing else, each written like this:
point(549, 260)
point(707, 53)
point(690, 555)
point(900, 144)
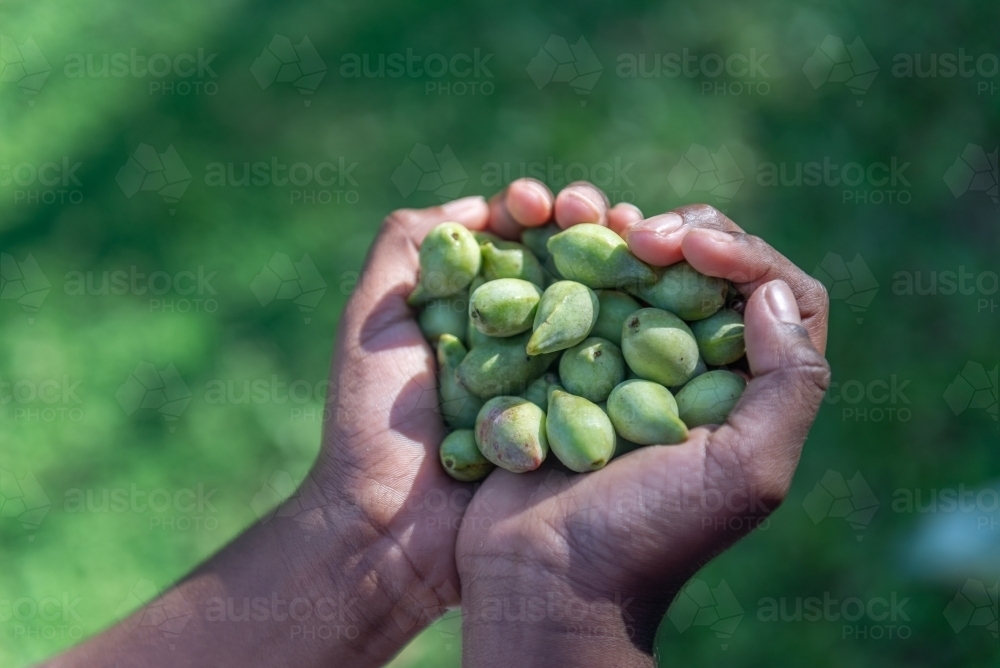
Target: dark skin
point(380, 541)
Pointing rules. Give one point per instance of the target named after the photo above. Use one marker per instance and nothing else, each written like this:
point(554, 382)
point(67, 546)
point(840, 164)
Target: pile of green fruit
point(568, 341)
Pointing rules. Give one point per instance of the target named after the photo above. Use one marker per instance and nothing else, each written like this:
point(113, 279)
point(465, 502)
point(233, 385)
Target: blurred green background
point(133, 385)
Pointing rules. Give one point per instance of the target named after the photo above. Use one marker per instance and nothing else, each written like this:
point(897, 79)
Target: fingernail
point(717, 236)
point(462, 207)
point(588, 202)
point(538, 192)
point(781, 301)
point(531, 206)
point(660, 225)
point(630, 212)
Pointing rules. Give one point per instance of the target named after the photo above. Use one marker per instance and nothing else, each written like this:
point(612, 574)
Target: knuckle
point(819, 294)
point(401, 219)
point(703, 215)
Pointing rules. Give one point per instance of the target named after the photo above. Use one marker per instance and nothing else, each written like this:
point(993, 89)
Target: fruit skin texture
point(473, 336)
point(699, 369)
point(592, 368)
point(658, 346)
point(449, 258)
point(461, 458)
point(510, 432)
point(684, 291)
point(708, 398)
point(537, 238)
point(615, 308)
point(458, 407)
point(501, 366)
point(645, 412)
point(597, 257)
point(504, 307)
point(720, 337)
point(509, 259)
point(579, 432)
point(566, 314)
point(444, 316)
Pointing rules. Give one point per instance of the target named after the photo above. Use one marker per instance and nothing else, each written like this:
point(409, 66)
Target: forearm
point(323, 588)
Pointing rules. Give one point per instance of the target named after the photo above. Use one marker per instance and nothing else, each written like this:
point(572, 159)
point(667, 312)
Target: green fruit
point(509, 259)
point(458, 407)
point(538, 392)
point(552, 273)
point(615, 308)
point(485, 237)
point(566, 314)
point(658, 346)
point(708, 398)
point(473, 336)
point(449, 258)
point(592, 368)
point(646, 413)
point(501, 366)
point(623, 446)
point(684, 291)
point(510, 432)
point(579, 432)
point(537, 238)
point(598, 258)
point(504, 307)
point(444, 316)
point(699, 369)
point(461, 458)
point(720, 337)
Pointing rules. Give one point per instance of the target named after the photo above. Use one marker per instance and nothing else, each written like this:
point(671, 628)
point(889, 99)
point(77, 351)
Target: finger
point(390, 270)
point(524, 203)
point(657, 240)
point(581, 202)
point(622, 217)
point(750, 262)
point(759, 445)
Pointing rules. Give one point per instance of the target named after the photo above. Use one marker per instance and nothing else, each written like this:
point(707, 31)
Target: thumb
point(763, 435)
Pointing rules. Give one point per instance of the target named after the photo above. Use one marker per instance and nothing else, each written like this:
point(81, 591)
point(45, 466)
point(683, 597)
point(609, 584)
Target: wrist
point(527, 614)
point(377, 600)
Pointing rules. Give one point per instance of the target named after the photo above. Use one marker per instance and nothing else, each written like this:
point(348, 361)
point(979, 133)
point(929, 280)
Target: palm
point(642, 516)
point(384, 429)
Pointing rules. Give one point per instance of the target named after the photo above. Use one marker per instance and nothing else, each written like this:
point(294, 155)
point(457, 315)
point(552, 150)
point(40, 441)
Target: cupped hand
point(579, 569)
point(379, 462)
